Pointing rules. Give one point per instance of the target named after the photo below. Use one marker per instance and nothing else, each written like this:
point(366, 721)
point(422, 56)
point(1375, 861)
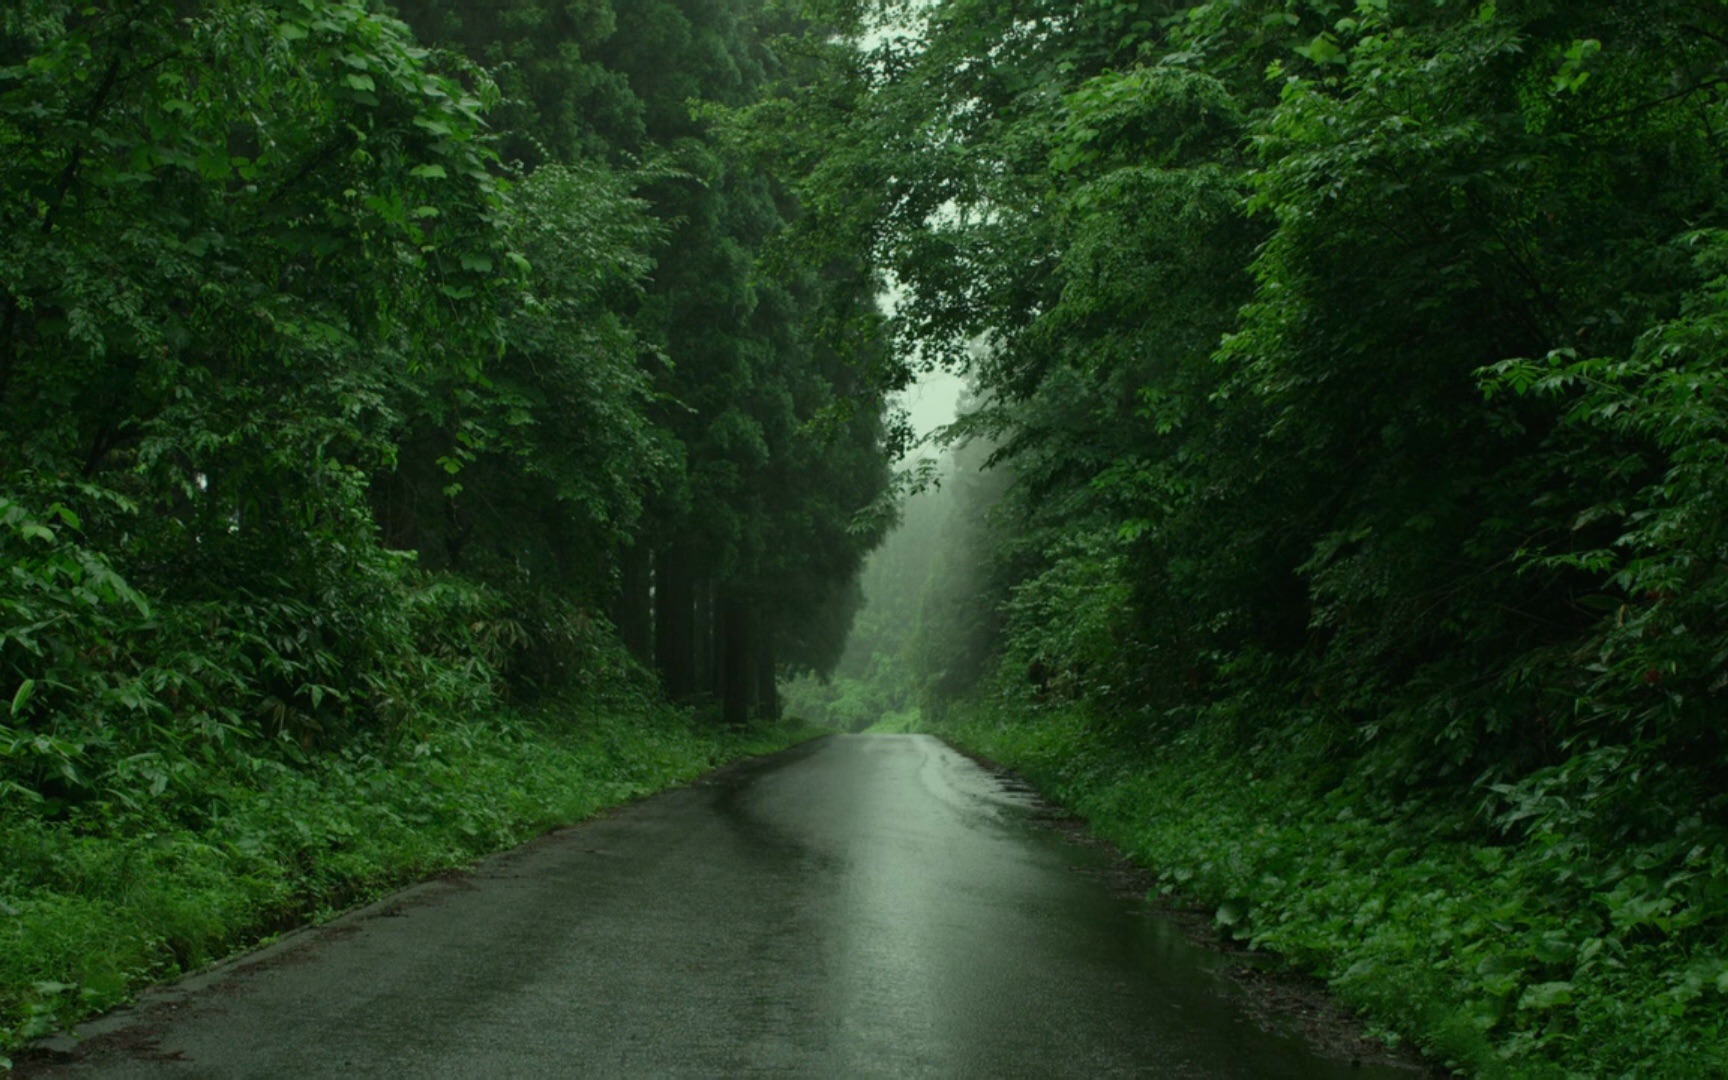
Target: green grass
point(91, 914)
point(1508, 956)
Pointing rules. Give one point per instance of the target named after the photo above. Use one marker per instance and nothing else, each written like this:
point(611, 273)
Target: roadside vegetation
point(113, 899)
point(1497, 957)
point(415, 432)
point(1338, 517)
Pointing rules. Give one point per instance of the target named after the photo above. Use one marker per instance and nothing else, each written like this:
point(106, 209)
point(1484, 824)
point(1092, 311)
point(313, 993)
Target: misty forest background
point(424, 423)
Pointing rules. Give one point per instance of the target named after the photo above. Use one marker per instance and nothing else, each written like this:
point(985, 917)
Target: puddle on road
point(1218, 994)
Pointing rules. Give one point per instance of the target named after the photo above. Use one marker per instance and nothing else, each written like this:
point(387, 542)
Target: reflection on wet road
point(858, 906)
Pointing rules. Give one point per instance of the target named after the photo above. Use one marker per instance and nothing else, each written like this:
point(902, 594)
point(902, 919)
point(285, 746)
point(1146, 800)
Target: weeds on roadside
point(1492, 931)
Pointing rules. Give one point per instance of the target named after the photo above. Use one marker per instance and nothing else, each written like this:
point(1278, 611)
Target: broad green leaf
point(21, 697)
point(1322, 50)
point(1549, 995)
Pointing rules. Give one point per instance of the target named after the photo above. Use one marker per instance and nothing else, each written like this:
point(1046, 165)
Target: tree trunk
point(674, 623)
point(767, 693)
point(707, 635)
point(737, 683)
point(630, 608)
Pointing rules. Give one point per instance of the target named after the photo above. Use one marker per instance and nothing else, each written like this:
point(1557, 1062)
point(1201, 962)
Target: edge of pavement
point(148, 1004)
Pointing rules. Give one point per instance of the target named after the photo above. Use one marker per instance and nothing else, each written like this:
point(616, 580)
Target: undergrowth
point(93, 909)
point(1502, 947)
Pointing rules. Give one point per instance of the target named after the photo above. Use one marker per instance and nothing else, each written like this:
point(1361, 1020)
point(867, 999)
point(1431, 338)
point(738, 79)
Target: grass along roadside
point(89, 918)
point(1511, 958)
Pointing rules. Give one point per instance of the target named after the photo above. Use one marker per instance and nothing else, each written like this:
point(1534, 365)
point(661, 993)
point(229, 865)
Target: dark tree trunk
point(630, 608)
point(737, 682)
point(707, 635)
point(674, 623)
point(8, 349)
point(393, 506)
point(767, 693)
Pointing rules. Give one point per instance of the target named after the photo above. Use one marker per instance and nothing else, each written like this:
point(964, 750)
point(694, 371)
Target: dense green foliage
point(1357, 370)
point(362, 367)
point(1347, 445)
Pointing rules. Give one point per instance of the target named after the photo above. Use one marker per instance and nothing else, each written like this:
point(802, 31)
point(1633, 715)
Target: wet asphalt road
point(857, 906)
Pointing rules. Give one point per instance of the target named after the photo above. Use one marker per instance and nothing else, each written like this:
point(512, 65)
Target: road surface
point(857, 906)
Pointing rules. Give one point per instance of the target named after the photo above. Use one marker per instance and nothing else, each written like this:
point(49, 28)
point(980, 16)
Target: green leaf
point(429, 172)
point(1547, 995)
point(1232, 912)
point(1322, 50)
point(26, 689)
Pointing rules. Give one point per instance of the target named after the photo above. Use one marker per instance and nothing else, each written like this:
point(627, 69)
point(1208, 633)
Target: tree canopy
point(355, 365)
point(1355, 370)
